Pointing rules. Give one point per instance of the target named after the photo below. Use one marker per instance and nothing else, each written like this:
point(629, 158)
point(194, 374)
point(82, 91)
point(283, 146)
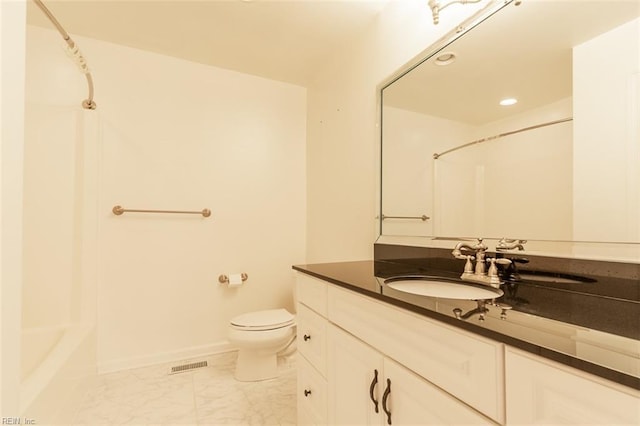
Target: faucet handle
point(468, 266)
point(493, 275)
point(493, 270)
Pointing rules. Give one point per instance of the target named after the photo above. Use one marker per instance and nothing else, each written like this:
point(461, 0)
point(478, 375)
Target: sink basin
point(442, 288)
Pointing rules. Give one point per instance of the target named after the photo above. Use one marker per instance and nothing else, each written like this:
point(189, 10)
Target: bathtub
point(58, 364)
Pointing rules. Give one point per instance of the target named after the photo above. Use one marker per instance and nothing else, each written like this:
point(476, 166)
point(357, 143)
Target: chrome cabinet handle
point(385, 396)
point(306, 337)
point(372, 387)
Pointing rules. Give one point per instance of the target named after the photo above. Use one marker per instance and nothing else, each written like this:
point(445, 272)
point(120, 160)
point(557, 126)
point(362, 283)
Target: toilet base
point(253, 366)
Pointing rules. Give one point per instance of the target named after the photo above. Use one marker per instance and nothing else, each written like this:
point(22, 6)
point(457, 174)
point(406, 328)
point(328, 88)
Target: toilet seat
point(269, 319)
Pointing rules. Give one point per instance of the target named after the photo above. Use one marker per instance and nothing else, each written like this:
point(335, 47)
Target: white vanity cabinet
point(367, 388)
point(540, 391)
point(438, 374)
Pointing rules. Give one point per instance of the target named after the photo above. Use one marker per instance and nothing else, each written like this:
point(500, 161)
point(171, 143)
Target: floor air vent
point(187, 367)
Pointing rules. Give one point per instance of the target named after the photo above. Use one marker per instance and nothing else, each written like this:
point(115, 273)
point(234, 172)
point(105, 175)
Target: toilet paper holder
point(223, 279)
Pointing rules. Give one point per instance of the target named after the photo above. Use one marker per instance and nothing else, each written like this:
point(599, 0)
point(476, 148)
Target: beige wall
point(342, 160)
point(178, 135)
point(12, 40)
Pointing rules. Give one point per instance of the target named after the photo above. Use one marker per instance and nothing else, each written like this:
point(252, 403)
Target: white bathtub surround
point(204, 396)
point(59, 256)
point(67, 369)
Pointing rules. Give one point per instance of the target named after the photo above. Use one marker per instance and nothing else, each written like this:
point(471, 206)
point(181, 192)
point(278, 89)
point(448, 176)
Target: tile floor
point(204, 396)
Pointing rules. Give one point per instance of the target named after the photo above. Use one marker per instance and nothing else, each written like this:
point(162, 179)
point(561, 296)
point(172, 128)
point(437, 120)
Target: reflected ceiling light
point(508, 101)
point(437, 5)
point(445, 58)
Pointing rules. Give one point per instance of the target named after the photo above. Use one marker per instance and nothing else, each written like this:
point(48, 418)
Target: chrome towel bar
point(118, 210)
point(423, 218)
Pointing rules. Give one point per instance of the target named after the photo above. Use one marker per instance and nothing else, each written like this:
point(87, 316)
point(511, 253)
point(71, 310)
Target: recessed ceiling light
point(508, 101)
point(445, 58)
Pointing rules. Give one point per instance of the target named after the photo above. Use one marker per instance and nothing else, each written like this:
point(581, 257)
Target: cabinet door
point(351, 379)
point(542, 392)
point(411, 400)
point(461, 363)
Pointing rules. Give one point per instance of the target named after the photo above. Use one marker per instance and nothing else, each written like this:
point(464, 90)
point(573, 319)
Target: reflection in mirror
point(562, 163)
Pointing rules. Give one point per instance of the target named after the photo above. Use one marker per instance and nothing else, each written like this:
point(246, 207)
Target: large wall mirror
point(561, 164)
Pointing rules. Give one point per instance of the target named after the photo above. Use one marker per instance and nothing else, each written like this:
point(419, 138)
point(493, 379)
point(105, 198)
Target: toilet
point(259, 337)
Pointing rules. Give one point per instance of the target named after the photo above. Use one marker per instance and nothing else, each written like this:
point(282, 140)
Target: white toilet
point(260, 336)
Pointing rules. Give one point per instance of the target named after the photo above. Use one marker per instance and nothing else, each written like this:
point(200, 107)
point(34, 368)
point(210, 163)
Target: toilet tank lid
point(268, 317)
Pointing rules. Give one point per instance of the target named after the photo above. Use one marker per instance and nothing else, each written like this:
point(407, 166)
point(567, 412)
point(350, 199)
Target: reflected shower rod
point(501, 135)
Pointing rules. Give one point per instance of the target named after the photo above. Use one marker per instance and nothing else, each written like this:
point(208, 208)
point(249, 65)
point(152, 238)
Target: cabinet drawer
point(465, 365)
point(312, 338)
point(543, 392)
point(312, 394)
point(312, 292)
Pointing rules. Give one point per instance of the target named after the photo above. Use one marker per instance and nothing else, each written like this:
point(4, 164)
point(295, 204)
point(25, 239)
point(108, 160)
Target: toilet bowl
point(259, 337)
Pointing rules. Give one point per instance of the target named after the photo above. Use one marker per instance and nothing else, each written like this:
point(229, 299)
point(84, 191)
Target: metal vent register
point(186, 367)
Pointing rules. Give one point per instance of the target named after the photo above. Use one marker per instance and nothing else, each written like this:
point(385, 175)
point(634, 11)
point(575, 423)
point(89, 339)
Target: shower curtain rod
point(501, 135)
point(74, 51)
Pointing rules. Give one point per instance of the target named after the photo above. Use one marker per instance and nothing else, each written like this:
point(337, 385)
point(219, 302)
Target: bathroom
point(273, 160)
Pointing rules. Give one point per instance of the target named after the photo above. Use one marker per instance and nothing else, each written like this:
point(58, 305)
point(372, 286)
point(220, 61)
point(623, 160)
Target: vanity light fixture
point(445, 58)
point(437, 5)
point(508, 101)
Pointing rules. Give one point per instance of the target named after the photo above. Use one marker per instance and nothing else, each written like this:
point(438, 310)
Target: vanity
point(369, 354)
point(550, 178)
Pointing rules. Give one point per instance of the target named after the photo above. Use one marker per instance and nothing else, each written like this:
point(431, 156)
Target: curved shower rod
point(74, 52)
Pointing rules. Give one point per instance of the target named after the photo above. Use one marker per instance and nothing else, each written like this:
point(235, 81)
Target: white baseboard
point(165, 357)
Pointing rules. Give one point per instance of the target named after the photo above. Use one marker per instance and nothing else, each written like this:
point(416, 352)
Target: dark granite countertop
point(555, 319)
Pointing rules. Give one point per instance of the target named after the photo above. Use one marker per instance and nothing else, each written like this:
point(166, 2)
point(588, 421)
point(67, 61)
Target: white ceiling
point(284, 40)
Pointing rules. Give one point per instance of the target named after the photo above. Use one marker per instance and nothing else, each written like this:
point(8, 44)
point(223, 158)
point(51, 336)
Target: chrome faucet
point(509, 244)
point(481, 310)
point(457, 250)
point(479, 273)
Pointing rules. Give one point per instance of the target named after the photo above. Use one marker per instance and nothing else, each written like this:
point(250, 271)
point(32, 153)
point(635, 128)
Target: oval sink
point(442, 288)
